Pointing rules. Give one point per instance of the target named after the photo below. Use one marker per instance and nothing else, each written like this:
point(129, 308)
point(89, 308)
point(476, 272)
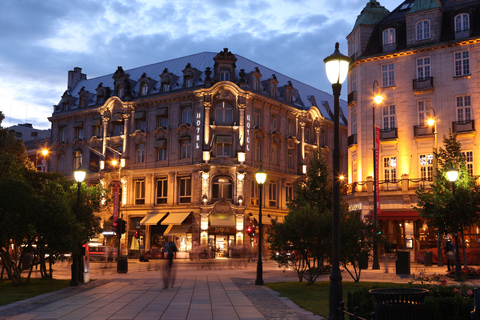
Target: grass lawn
point(315, 297)
point(10, 293)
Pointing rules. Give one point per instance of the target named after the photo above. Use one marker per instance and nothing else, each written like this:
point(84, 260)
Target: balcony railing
point(463, 34)
point(388, 134)
point(389, 47)
point(463, 126)
point(352, 140)
point(420, 131)
point(423, 84)
point(352, 97)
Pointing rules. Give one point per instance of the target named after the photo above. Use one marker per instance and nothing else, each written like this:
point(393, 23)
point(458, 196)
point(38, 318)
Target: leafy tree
point(438, 205)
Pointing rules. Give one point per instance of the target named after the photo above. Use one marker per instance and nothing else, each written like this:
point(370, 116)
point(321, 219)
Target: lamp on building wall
point(452, 176)
point(336, 66)
point(79, 176)
point(260, 177)
point(241, 157)
point(432, 122)
point(377, 98)
point(43, 154)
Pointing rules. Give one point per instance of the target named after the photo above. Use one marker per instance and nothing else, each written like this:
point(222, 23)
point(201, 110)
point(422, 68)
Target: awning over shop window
point(177, 230)
point(152, 218)
point(175, 218)
point(222, 220)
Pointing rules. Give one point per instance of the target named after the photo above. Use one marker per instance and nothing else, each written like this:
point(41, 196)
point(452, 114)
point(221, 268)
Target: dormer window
point(144, 89)
point(423, 30)
point(389, 37)
point(462, 22)
point(165, 84)
point(256, 84)
point(188, 80)
point(100, 96)
point(83, 102)
point(120, 91)
point(224, 75)
point(273, 91)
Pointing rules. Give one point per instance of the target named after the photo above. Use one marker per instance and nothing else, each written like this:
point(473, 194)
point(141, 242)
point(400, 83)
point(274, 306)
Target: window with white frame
point(165, 85)
point(97, 128)
point(390, 169)
point(185, 148)
point(257, 149)
point(187, 114)
point(77, 159)
point(423, 68)
point(272, 194)
point(389, 36)
point(140, 121)
point(424, 114)
point(79, 130)
point(162, 190)
point(423, 30)
point(290, 155)
point(388, 75)
point(464, 108)
point(223, 112)
point(426, 166)
point(140, 152)
point(144, 89)
point(389, 118)
point(222, 188)
point(162, 117)
point(223, 146)
point(354, 82)
point(468, 156)
point(462, 63)
point(139, 191)
point(462, 22)
point(353, 121)
point(188, 80)
point(185, 194)
point(254, 193)
point(224, 75)
point(161, 146)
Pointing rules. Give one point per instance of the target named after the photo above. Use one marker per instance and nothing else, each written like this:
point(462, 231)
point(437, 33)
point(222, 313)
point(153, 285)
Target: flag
point(95, 157)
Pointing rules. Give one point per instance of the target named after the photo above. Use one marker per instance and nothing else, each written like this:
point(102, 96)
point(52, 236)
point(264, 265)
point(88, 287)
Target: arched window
point(389, 36)
point(222, 188)
point(223, 112)
point(462, 22)
point(188, 80)
point(144, 89)
point(165, 84)
point(423, 30)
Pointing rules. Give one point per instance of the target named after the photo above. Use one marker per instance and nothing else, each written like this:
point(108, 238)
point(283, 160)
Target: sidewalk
point(222, 291)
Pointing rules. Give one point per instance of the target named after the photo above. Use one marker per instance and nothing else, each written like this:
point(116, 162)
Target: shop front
point(223, 238)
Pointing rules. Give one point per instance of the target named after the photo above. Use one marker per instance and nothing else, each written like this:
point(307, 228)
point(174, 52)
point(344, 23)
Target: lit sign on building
point(247, 144)
point(198, 123)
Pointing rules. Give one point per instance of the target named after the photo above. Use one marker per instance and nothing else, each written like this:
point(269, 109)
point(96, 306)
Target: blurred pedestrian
point(450, 248)
point(168, 270)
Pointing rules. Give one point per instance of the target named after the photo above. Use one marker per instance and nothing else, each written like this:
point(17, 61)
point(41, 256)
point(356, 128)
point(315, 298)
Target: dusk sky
point(41, 40)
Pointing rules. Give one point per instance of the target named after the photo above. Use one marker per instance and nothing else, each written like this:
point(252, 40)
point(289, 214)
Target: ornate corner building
point(190, 134)
point(422, 58)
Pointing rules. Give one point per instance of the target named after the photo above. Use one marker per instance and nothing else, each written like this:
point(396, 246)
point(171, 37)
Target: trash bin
point(427, 258)
point(399, 304)
point(122, 265)
point(402, 264)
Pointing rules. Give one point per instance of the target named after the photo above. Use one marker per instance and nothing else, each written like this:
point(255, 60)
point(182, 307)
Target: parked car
point(102, 253)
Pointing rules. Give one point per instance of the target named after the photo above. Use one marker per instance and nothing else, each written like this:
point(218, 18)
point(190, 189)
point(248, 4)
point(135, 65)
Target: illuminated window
point(390, 169)
point(423, 30)
point(426, 166)
point(468, 156)
point(290, 155)
point(464, 108)
point(222, 188)
point(272, 194)
point(389, 36)
point(462, 63)
point(254, 193)
point(423, 111)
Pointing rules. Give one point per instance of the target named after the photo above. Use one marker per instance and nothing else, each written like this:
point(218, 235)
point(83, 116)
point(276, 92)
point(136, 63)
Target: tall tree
point(438, 205)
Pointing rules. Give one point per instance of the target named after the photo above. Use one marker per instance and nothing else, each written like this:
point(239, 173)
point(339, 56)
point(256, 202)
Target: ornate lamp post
point(377, 98)
point(452, 176)
point(432, 122)
point(336, 66)
point(260, 176)
point(79, 175)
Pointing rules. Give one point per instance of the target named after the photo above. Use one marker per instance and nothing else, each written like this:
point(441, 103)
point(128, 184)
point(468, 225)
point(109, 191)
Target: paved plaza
point(219, 289)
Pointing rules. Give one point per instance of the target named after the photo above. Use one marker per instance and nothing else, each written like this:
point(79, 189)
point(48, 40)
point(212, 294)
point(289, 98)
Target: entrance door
point(221, 246)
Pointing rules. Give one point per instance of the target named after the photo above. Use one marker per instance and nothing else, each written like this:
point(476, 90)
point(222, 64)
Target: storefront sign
point(355, 207)
point(222, 230)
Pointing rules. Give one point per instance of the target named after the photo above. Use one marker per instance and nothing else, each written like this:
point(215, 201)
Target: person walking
point(168, 271)
point(450, 254)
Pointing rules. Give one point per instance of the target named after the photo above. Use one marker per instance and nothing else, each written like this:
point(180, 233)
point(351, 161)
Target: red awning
point(396, 215)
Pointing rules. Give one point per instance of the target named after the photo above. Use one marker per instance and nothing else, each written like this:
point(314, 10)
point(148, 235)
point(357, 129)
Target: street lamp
point(336, 66)
point(432, 122)
point(452, 176)
point(260, 176)
point(377, 98)
point(79, 176)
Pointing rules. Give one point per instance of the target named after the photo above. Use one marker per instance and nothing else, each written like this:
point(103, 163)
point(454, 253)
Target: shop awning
point(222, 220)
point(152, 218)
point(175, 218)
point(396, 215)
point(177, 230)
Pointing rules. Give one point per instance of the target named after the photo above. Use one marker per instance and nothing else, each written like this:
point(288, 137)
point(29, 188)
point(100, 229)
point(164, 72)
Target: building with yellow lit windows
point(422, 59)
point(189, 134)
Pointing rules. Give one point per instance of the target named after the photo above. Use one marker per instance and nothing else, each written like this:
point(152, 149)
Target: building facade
point(190, 134)
point(422, 59)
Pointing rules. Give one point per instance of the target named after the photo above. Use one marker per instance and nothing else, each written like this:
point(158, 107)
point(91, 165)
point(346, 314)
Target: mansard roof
point(305, 96)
